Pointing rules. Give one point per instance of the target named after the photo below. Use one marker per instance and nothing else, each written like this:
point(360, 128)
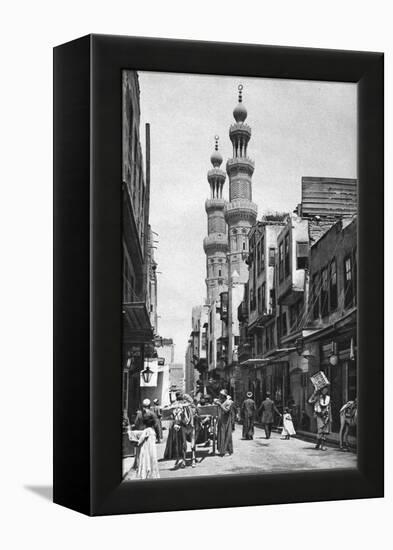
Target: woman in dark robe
point(224, 424)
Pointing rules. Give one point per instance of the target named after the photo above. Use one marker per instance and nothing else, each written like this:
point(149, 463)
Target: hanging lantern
point(333, 360)
point(147, 373)
point(299, 344)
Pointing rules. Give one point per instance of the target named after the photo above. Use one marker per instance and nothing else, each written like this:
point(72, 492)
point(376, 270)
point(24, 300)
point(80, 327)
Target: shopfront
point(273, 378)
point(339, 363)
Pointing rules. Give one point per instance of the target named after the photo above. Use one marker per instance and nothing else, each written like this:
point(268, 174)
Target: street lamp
point(147, 373)
point(299, 344)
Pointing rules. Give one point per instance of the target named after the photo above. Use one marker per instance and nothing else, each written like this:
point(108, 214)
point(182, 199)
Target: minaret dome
point(240, 112)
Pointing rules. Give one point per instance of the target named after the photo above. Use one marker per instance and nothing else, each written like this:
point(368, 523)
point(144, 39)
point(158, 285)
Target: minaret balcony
point(214, 204)
point(216, 173)
point(240, 164)
point(240, 129)
point(216, 242)
point(240, 209)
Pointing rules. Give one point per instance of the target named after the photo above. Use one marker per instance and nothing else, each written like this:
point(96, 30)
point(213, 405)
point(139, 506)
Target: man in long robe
point(156, 409)
point(233, 412)
point(142, 415)
point(176, 444)
point(248, 413)
point(224, 424)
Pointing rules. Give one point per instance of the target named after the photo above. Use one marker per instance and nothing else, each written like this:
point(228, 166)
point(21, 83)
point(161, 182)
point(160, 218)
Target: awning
point(347, 323)
point(136, 324)
point(271, 358)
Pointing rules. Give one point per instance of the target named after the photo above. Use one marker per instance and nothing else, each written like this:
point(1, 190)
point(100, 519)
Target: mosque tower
point(216, 243)
point(240, 215)
point(240, 211)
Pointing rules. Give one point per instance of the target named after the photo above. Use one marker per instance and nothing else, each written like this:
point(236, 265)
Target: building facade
point(331, 342)
point(176, 378)
point(307, 318)
point(137, 328)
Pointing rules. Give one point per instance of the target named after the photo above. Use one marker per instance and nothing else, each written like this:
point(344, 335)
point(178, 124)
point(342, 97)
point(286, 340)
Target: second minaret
point(216, 242)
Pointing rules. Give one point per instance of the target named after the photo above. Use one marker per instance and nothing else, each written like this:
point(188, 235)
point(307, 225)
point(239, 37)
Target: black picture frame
point(87, 274)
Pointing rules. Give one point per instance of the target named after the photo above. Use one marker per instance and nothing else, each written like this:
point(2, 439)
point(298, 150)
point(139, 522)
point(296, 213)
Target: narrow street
point(250, 457)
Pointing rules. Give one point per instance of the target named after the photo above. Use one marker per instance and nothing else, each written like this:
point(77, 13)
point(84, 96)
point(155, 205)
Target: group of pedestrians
point(320, 399)
point(146, 431)
point(250, 413)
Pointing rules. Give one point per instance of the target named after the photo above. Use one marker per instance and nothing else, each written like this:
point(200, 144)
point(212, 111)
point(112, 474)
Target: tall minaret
point(216, 242)
point(240, 215)
point(240, 211)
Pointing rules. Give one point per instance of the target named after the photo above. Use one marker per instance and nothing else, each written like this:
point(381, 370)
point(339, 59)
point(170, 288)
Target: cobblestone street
point(258, 455)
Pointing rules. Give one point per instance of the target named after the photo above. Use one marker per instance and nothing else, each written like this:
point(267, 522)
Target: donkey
point(348, 419)
point(186, 419)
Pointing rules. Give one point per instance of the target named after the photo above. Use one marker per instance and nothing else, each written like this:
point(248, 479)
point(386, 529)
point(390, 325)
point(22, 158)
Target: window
point(301, 255)
point(315, 295)
point(267, 339)
point(272, 335)
point(348, 282)
point(324, 293)
point(244, 246)
point(272, 303)
point(204, 340)
point(294, 313)
point(272, 256)
point(333, 286)
point(286, 248)
point(259, 344)
point(263, 298)
point(252, 300)
point(260, 303)
point(219, 272)
point(281, 262)
point(284, 328)
point(262, 254)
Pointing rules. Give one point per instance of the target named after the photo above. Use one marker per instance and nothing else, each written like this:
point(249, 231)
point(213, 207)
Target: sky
point(299, 128)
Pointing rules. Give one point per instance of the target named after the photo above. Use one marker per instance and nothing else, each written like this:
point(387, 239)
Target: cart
point(203, 410)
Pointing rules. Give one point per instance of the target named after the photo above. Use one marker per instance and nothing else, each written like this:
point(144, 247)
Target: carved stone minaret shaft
point(216, 243)
point(240, 211)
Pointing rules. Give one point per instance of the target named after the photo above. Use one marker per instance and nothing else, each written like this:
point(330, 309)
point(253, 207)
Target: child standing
point(288, 428)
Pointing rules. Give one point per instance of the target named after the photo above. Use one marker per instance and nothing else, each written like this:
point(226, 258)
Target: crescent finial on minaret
point(240, 112)
point(240, 88)
point(216, 158)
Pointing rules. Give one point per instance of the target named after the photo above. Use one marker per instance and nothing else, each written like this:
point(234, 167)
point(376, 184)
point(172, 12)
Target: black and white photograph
point(239, 294)
point(195, 278)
